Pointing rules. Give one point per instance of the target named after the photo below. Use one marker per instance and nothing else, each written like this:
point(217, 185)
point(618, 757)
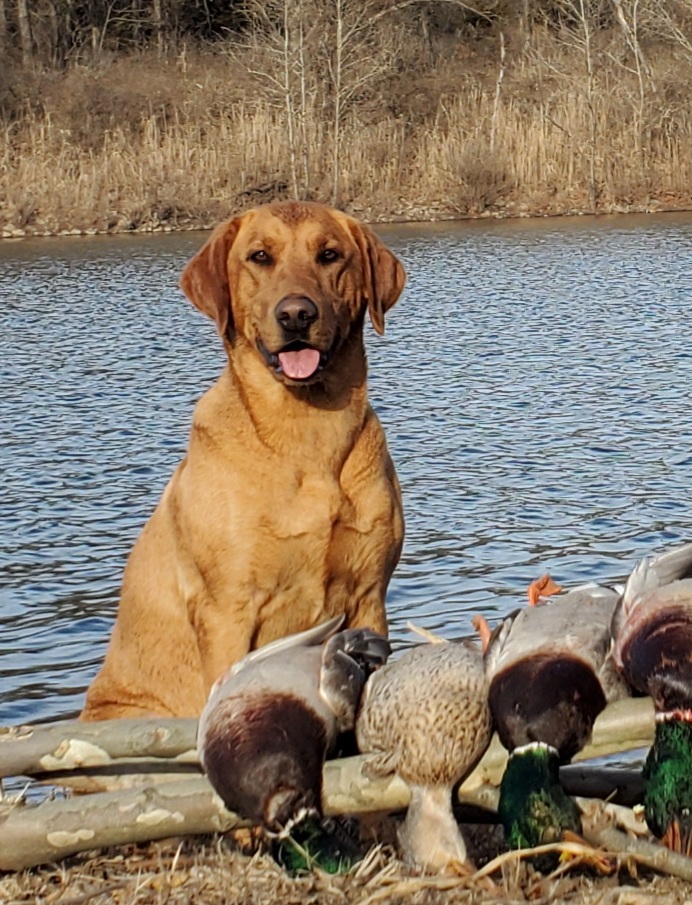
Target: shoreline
point(12, 233)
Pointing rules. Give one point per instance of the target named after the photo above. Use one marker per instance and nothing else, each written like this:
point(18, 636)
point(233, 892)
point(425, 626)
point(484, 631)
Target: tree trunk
point(32, 835)
point(58, 828)
point(157, 18)
point(3, 28)
point(336, 138)
point(169, 744)
point(53, 35)
point(25, 38)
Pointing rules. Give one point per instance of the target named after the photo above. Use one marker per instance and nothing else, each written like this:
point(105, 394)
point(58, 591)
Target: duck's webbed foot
point(678, 837)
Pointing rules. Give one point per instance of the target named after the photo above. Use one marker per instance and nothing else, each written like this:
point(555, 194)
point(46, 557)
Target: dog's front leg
point(224, 635)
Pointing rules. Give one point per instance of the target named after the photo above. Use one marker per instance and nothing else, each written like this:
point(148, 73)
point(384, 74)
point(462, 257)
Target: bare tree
point(280, 34)
point(157, 22)
point(360, 49)
point(585, 26)
point(25, 37)
point(3, 28)
point(670, 21)
point(498, 91)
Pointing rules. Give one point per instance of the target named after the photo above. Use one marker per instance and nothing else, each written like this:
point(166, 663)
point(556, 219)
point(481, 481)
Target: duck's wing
point(576, 623)
point(674, 565)
point(348, 659)
point(494, 641)
point(647, 576)
point(311, 637)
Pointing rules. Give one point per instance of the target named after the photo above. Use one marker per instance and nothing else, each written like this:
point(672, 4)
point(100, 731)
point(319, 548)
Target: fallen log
point(71, 745)
point(56, 828)
point(168, 745)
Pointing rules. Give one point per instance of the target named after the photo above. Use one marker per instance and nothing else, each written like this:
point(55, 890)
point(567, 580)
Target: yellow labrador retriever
point(286, 509)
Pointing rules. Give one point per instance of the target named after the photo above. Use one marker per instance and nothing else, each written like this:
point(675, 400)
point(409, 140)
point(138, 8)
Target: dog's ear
point(205, 277)
point(384, 274)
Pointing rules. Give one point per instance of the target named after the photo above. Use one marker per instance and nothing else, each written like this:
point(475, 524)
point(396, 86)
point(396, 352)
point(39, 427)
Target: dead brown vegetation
point(217, 871)
point(588, 110)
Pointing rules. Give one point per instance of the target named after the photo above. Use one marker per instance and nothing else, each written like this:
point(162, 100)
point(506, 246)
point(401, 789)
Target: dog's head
point(293, 280)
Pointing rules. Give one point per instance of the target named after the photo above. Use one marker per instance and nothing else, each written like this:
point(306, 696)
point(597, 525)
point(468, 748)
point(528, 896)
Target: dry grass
point(140, 143)
point(177, 872)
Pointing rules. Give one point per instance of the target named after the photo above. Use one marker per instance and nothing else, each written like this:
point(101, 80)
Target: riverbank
point(9, 231)
point(183, 870)
point(490, 127)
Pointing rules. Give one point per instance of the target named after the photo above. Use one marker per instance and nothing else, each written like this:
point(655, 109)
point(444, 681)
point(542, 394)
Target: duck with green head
point(550, 676)
point(652, 648)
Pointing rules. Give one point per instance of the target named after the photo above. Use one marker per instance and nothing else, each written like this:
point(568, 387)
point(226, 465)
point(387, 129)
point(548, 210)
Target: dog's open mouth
point(296, 361)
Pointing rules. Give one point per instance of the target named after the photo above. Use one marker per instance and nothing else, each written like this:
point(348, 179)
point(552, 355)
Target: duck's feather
point(576, 623)
point(646, 577)
point(653, 644)
point(267, 726)
point(549, 671)
point(348, 659)
point(311, 637)
point(425, 715)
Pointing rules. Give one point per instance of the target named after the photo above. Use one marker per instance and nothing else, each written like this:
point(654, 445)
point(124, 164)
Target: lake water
point(534, 383)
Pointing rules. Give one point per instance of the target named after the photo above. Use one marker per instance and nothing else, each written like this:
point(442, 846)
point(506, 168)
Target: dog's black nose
point(295, 313)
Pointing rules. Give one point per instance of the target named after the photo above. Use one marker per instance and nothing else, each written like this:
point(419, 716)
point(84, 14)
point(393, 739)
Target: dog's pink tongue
point(300, 364)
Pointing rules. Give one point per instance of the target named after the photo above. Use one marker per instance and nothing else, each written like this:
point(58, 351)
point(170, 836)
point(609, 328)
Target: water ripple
point(534, 383)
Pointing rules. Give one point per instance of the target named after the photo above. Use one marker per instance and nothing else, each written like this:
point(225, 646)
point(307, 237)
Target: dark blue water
point(534, 382)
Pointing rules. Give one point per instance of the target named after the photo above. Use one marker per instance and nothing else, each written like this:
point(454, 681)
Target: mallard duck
point(425, 717)
point(652, 648)
point(272, 718)
point(550, 675)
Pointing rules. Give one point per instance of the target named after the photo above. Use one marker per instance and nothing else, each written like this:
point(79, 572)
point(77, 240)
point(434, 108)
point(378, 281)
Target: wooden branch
point(32, 750)
point(650, 854)
point(76, 746)
point(56, 828)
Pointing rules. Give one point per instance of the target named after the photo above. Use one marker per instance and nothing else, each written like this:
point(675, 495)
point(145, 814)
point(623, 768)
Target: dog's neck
point(326, 417)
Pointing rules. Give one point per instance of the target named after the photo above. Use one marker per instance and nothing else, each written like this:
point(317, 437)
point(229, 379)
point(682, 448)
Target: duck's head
point(668, 781)
point(534, 808)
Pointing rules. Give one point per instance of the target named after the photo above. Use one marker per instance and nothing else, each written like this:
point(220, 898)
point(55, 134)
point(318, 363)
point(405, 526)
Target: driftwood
point(169, 745)
point(57, 828)
point(649, 854)
point(35, 834)
point(73, 745)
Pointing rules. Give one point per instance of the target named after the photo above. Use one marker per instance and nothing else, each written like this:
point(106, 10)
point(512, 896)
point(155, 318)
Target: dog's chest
point(309, 510)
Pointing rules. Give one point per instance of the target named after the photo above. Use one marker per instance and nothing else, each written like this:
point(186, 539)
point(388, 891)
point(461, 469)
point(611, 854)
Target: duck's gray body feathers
point(551, 672)
point(652, 629)
point(272, 718)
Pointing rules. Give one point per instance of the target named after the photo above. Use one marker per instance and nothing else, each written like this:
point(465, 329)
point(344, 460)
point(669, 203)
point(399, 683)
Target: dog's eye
point(327, 255)
point(260, 257)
